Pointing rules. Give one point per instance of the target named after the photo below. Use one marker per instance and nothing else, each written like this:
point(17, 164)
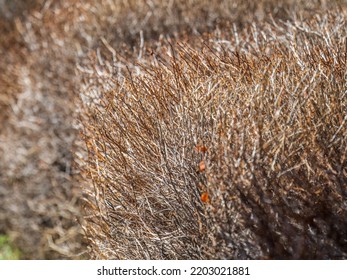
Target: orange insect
point(200, 149)
point(202, 166)
point(204, 197)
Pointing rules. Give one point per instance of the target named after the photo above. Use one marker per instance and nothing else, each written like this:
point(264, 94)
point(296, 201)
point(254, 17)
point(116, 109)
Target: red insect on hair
point(202, 166)
point(200, 149)
point(204, 197)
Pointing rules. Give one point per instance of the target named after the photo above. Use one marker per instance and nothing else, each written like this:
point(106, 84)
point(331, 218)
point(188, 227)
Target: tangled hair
point(231, 145)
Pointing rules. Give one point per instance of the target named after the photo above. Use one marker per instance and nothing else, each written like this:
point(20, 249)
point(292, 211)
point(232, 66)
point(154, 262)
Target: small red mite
point(202, 166)
point(200, 149)
point(204, 197)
